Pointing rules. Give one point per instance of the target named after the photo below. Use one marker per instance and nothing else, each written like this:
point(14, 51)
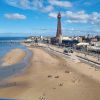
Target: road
point(52, 78)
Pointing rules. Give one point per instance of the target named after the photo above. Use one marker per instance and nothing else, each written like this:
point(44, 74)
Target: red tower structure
point(59, 31)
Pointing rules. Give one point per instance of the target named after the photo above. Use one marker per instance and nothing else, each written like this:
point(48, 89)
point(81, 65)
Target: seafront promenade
point(75, 54)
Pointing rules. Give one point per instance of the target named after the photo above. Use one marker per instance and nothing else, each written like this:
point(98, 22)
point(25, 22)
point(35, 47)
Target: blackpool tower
point(59, 32)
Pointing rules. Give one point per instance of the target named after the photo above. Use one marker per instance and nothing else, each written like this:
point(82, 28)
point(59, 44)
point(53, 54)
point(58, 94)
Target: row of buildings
point(59, 39)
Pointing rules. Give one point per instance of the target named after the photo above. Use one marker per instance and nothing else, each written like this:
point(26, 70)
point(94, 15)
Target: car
point(65, 51)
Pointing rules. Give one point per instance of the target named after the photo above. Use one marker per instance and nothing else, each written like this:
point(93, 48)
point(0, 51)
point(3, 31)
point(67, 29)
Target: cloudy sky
point(38, 17)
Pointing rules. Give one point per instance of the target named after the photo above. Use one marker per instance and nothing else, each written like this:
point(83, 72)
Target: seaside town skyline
point(39, 17)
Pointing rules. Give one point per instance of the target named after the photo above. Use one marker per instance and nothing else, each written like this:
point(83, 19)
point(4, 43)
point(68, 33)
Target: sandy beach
point(51, 77)
point(13, 57)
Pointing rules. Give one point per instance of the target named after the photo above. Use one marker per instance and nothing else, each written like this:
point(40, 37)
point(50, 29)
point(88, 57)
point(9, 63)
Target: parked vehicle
point(68, 50)
point(65, 51)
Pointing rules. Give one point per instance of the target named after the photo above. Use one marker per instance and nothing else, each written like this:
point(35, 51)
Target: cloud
point(82, 17)
point(53, 14)
point(19, 3)
point(95, 18)
point(41, 5)
point(76, 21)
point(65, 4)
point(77, 17)
point(15, 16)
point(48, 9)
point(31, 5)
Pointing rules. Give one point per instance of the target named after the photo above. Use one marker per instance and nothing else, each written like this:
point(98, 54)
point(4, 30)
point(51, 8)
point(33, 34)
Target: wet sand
point(13, 57)
point(53, 78)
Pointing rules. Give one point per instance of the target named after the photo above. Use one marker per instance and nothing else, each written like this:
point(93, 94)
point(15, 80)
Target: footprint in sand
point(67, 71)
point(54, 88)
point(49, 76)
point(60, 84)
point(75, 80)
point(56, 76)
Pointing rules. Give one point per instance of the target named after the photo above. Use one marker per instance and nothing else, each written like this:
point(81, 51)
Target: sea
point(8, 43)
